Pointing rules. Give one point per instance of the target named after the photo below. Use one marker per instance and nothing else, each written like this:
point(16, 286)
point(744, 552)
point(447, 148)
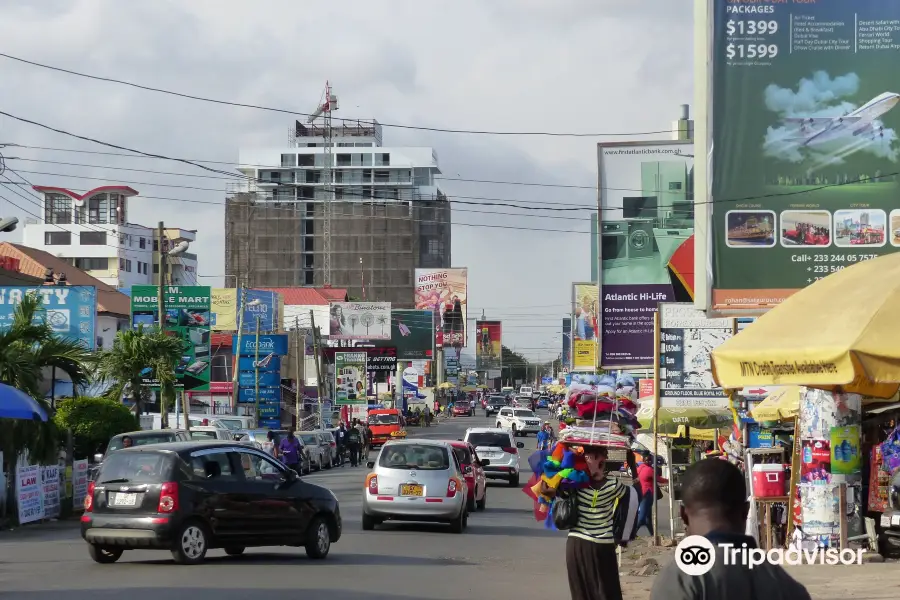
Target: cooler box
point(769, 481)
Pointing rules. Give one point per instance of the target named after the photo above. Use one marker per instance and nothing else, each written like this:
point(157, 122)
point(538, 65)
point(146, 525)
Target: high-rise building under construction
point(388, 216)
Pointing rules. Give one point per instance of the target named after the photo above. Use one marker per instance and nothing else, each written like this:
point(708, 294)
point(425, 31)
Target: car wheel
point(234, 550)
point(103, 555)
point(318, 539)
point(514, 481)
point(481, 504)
point(369, 522)
point(459, 523)
point(191, 544)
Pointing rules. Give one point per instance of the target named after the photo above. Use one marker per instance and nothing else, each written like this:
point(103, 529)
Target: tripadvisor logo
point(696, 555)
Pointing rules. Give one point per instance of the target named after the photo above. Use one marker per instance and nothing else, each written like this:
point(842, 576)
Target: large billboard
point(260, 308)
point(360, 320)
point(445, 293)
point(259, 370)
point(567, 343)
point(223, 310)
point(350, 380)
point(489, 345)
point(412, 334)
point(585, 326)
point(804, 180)
point(188, 318)
point(71, 310)
point(646, 242)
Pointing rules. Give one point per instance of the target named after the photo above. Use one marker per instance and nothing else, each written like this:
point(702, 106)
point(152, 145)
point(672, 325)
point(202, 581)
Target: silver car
point(497, 446)
point(317, 449)
point(416, 480)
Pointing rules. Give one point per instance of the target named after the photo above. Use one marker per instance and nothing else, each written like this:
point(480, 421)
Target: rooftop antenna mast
point(324, 110)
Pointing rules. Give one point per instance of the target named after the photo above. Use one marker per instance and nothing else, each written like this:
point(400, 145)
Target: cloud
point(821, 96)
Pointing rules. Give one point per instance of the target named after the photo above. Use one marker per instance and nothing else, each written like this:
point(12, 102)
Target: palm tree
point(27, 349)
point(132, 352)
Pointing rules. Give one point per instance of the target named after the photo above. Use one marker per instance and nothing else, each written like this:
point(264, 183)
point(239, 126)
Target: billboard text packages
point(188, 319)
point(646, 242)
point(445, 292)
point(805, 182)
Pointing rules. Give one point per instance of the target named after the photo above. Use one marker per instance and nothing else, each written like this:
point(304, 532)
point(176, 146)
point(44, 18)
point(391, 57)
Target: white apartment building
point(91, 231)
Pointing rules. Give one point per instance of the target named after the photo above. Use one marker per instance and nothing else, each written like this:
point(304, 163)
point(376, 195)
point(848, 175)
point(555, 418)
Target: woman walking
point(591, 561)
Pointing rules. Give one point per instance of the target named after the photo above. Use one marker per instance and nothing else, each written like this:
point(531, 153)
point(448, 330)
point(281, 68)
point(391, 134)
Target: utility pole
point(329, 104)
point(298, 361)
point(320, 368)
point(256, 371)
point(161, 300)
point(237, 353)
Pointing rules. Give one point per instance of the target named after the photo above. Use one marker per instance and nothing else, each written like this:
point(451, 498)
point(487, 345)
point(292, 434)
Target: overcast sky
point(607, 66)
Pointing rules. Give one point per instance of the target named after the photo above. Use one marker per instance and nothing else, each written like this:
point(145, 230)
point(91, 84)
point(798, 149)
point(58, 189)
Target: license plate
point(120, 499)
point(885, 520)
point(412, 490)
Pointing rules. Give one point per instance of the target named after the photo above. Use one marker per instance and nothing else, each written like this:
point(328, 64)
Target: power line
point(303, 114)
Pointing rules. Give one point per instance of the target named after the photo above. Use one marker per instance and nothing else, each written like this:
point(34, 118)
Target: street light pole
point(256, 370)
point(237, 352)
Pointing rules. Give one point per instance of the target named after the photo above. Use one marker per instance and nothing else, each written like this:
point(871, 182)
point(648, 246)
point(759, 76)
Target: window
point(259, 468)
point(343, 160)
point(382, 176)
point(92, 264)
point(422, 457)
point(155, 268)
point(422, 176)
point(288, 160)
point(435, 247)
point(98, 209)
point(57, 238)
point(142, 242)
point(57, 209)
point(463, 455)
point(215, 465)
point(156, 245)
point(128, 265)
point(383, 159)
point(490, 439)
point(92, 238)
point(136, 467)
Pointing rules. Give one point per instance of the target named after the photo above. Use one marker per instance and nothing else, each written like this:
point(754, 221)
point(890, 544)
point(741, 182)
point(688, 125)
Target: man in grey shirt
point(715, 508)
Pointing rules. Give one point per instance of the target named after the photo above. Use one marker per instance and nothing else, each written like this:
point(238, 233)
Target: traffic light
point(8, 224)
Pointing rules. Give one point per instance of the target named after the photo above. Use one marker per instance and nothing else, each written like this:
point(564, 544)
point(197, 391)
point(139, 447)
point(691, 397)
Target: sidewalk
point(35, 531)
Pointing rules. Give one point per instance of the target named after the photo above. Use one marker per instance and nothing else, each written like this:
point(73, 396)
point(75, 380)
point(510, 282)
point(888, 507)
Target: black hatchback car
point(190, 497)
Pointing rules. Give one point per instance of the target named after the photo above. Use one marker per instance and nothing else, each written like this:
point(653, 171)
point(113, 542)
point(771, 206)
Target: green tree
point(93, 421)
point(29, 348)
point(132, 352)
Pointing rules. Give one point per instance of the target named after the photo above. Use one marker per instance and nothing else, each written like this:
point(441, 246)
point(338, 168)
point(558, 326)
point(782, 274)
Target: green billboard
point(350, 379)
point(805, 156)
point(187, 317)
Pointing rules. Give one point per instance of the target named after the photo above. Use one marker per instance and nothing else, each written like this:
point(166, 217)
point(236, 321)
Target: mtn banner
point(488, 351)
point(412, 334)
point(188, 313)
point(360, 320)
point(805, 182)
point(445, 293)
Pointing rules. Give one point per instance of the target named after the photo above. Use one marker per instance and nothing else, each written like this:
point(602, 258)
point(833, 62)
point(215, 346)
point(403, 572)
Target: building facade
point(91, 232)
point(388, 215)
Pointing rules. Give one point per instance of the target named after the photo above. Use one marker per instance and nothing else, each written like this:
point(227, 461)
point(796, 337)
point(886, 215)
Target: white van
point(526, 390)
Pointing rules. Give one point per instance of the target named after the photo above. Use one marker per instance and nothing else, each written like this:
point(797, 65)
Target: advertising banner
point(70, 310)
point(489, 350)
point(567, 343)
point(302, 315)
point(584, 357)
point(50, 491)
point(223, 310)
point(806, 182)
point(29, 494)
point(261, 306)
point(79, 482)
point(379, 359)
point(646, 236)
point(264, 376)
point(350, 378)
point(188, 318)
point(412, 334)
point(360, 320)
point(276, 344)
point(445, 293)
point(686, 339)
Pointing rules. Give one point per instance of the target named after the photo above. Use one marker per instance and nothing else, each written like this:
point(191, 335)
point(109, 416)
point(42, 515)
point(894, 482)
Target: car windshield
point(140, 440)
point(524, 413)
point(494, 439)
point(143, 467)
point(231, 424)
point(422, 457)
point(203, 435)
point(309, 439)
point(383, 419)
point(497, 400)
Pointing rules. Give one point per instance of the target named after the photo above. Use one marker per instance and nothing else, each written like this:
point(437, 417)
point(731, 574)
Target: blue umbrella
point(16, 404)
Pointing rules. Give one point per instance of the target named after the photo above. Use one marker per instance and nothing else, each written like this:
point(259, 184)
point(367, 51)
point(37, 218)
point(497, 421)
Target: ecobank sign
point(268, 344)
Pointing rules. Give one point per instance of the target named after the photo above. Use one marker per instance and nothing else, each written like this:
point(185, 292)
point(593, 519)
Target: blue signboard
point(270, 423)
point(245, 363)
point(546, 380)
point(269, 410)
point(247, 395)
point(262, 305)
point(70, 310)
point(266, 379)
point(268, 344)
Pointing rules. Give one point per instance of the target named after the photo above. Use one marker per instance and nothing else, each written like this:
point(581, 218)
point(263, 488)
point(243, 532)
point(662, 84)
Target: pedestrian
point(341, 441)
point(591, 561)
point(427, 416)
point(290, 450)
point(648, 495)
point(543, 437)
point(714, 506)
point(354, 443)
point(268, 446)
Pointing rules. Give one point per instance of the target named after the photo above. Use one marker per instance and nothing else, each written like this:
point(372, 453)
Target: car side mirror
point(520, 445)
point(98, 458)
point(459, 439)
point(371, 464)
point(484, 462)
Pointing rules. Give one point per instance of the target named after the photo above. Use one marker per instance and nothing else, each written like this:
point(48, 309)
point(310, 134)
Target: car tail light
point(452, 487)
point(510, 450)
point(89, 498)
point(372, 483)
point(168, 497)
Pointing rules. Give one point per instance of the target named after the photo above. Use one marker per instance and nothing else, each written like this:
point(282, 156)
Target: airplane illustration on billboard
point(817, 130)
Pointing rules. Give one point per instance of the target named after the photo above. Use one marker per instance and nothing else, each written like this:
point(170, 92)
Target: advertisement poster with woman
point(350, 378)
point(488, 350)
point(444, 291)
point(584, 311)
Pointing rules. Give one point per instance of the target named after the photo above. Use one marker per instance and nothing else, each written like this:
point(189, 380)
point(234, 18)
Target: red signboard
point(645, 388)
